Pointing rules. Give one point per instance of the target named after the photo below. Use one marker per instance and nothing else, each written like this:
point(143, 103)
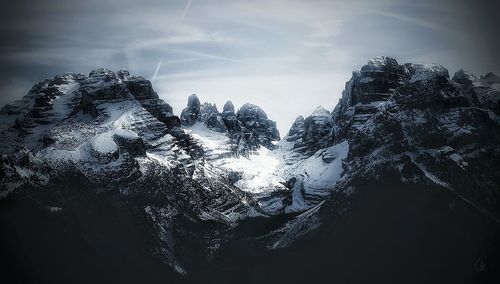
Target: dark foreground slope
point(393, 234)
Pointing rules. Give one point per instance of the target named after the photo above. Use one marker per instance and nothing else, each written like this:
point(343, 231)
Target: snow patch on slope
point(214, 143)
point(320, 171)
point(259, 171)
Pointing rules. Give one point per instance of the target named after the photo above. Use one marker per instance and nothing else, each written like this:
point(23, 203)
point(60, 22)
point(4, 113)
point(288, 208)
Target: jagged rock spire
point(228, 107)
point(248, 129)
point(257, 129)
point(191, 113)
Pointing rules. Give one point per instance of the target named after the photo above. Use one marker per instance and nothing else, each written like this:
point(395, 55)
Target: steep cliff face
point(256, 128)
point(431, 130)
point(312, 133)
point(486, 88)
point(191, 113)
point(428, 129)
point(230, 119)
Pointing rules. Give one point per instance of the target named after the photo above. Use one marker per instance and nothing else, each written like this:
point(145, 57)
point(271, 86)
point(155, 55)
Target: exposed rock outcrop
point(486, 88)
point(297, 130)
point(230, 119)
point(256, 128)
point(191, 113)
point(248, 129)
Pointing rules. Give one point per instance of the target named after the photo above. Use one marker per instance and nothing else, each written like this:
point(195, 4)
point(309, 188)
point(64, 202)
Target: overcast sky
point(287, 56)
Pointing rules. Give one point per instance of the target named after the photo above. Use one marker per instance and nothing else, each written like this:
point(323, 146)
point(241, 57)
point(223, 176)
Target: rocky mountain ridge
point(248, 128)
point(195, 180)
point(414, 126)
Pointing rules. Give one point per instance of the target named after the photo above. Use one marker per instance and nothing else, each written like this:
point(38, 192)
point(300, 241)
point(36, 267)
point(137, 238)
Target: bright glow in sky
point(287, 56)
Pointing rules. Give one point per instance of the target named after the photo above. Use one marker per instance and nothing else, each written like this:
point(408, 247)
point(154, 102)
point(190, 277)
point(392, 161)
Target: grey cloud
point(272, 50)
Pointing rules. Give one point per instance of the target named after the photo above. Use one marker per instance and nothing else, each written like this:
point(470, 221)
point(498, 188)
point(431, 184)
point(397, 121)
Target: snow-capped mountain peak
point(192, 180)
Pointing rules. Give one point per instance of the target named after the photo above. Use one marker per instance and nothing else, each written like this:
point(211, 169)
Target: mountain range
point(101, 181)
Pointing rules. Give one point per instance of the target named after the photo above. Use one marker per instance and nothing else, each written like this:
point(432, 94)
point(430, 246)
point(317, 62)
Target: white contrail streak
point(156, 71)
point(188, 4)
point(186, 9)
